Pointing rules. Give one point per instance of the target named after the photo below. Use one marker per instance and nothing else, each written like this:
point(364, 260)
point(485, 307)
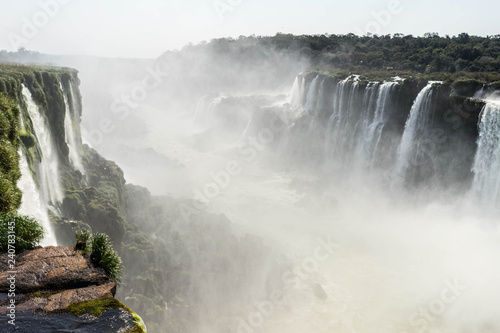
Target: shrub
point(84, 241)
point(103, 255)
point(28, 232)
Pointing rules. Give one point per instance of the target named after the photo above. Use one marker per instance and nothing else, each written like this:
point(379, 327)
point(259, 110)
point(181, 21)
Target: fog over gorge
point(254, 173)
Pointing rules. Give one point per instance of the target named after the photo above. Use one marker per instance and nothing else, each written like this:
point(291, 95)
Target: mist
point(360, 205)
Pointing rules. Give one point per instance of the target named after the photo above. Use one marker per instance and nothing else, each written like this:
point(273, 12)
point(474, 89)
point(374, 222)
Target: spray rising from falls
point(486, 167)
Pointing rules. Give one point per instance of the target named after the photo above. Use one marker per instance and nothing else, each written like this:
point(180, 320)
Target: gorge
point(328, 201)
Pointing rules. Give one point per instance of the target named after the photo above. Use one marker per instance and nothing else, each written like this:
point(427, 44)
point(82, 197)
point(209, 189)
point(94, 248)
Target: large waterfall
point(33, 203)
point(416, 125)
point(48, 169)
point(49, 193)
point(487, 160)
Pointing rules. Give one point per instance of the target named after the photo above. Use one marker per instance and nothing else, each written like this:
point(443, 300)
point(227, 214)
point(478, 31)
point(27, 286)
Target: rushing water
point(33, 204)
point(48, 194)
point(487, 161)
point(48, 169)
point(416, 124)
point(71, 137)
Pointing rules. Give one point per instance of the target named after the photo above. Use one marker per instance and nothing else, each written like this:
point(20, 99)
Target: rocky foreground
point(57, 289)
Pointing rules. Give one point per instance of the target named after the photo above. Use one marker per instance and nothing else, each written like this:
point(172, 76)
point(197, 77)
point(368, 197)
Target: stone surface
point(64, 299)
point(50, 279)
point(52, 268)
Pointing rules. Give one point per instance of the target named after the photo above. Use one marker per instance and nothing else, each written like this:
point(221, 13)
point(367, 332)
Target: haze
point(145, 29)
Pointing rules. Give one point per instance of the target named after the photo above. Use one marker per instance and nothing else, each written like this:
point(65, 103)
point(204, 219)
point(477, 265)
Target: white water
point(48, 169)
point(297, 93)
point(70, 134)
point(33, 204)
point(312, 95)
point(417, 121)
point(486, 167)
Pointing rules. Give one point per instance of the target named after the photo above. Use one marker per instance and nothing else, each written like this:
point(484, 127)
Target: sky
point(147, 28)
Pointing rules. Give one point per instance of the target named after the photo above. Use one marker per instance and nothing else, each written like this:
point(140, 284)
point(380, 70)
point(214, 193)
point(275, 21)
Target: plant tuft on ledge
point(100, 249)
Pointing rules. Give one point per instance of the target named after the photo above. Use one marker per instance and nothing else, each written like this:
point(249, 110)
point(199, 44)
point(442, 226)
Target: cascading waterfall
point(333, 134)
point(416, 124)
point(372, 133)
point(32, 203)
point(297, 93)
point(48, 168)
point(70, 135)
point(312, 95)
point(486, 167)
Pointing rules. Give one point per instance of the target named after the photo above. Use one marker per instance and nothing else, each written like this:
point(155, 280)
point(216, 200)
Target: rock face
point(48, 282)
point(52, 268)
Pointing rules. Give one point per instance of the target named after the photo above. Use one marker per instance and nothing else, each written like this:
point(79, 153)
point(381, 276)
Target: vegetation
point(84, 241)
point(102, 254)
point(430, 56)
point(95, 307)
point(28, 232)
point(100, 249)
point(10, 195)
point(98, 307)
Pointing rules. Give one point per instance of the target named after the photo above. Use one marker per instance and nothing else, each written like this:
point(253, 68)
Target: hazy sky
point(146, 28)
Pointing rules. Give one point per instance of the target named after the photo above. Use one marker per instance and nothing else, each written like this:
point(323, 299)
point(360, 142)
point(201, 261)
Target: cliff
point(175, 257)
point(59, 288)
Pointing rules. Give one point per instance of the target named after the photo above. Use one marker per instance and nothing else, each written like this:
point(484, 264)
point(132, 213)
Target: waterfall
point(339, 131)
point(70, 135)
point(33, 204)
point(312, 95)
point(48, 168)
point(373, 132)
point(416, 124)
point(486, 166)
point(296, 94)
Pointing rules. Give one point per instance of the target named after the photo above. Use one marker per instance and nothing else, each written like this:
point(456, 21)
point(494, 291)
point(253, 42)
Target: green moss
point(94, 307)
point(98, 307)
point(42, 294)
point(140, 326)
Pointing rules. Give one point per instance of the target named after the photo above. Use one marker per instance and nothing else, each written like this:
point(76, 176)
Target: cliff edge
point(57, 289)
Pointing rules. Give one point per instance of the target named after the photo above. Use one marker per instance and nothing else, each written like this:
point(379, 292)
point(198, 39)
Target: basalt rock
point(59, 289)
point(53, 268)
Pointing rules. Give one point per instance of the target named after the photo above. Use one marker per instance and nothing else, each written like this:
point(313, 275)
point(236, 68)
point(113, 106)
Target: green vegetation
point(28, 232)
point(95, 307)
point(377, 57)
point(98, 307)
point(42, 294)
point(10, 195)
point(84, 241)
point(103, 255)
point(100, 249)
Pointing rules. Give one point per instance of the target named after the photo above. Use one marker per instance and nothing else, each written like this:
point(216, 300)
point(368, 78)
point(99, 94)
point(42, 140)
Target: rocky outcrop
point(53, 268)
point(53, 281)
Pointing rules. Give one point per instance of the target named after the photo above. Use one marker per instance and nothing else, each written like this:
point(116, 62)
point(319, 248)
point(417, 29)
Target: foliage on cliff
point(25, 232)
point(10, 195)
